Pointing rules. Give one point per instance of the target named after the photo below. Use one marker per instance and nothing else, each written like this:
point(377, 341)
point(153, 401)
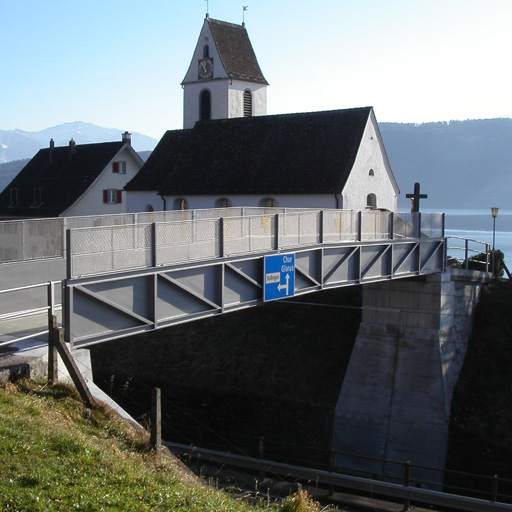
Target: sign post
point(279, 277)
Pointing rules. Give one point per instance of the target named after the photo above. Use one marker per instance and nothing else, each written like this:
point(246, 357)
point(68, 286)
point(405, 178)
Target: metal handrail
point(388, 489)
point(469, 252)
point(389, 225)
point(50, 309)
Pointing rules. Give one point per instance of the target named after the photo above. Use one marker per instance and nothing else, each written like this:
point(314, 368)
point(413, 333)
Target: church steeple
point(224, 78)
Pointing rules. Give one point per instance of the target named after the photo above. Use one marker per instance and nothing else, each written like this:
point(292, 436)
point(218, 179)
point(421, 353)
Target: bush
point(300, 502)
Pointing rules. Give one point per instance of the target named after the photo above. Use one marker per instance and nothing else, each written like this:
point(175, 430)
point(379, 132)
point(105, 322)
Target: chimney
point(127, 137)
point(72, 148)
point(52, 145)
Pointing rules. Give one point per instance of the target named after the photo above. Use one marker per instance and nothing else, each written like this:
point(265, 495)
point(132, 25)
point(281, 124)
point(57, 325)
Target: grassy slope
point(58, 456)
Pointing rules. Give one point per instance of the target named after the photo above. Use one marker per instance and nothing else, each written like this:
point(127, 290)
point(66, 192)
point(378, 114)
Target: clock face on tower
point(205, 68)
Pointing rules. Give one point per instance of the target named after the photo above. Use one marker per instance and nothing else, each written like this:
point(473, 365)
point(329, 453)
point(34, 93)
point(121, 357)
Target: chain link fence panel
point(24, 240)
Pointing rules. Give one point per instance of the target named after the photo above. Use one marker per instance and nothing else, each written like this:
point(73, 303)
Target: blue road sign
point(279, 276)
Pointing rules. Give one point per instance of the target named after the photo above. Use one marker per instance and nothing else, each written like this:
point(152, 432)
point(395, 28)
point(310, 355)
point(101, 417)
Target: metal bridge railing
point(42, 301)
point(31, 239)
point(214, 234)
point(465, 251)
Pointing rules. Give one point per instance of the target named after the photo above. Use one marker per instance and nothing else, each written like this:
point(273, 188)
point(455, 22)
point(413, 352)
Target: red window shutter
point(119, 196)
point(115, 167)
point(105, 196)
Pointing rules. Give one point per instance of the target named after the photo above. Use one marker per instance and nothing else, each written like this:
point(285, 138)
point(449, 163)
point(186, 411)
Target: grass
point(58, 455)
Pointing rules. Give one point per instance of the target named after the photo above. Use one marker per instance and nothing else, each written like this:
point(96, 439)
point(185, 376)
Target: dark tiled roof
point(310, 153)
point(236, 52)
point(63, 180)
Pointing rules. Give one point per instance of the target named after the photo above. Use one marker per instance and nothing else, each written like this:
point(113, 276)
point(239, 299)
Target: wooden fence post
point(261, 452)
point(407, 483)
point(53, 359)
point(69, 362)
point(156, 422)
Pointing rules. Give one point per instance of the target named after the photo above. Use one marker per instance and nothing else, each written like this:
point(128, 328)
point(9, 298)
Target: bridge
point(134, 273)
point(131, 273)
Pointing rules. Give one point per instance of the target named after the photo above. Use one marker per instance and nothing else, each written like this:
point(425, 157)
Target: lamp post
point(494, 213)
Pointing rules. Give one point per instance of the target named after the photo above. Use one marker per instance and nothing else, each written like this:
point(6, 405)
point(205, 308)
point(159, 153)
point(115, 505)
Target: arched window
point(371, 173)
point(206, 51)
point(269, 202)
point(247, 103)
point(371, 201)
point(223, 202)
point(205, 105)
point(180, 204)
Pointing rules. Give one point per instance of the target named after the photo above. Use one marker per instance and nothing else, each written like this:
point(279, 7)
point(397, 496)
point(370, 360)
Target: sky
point(119, 63)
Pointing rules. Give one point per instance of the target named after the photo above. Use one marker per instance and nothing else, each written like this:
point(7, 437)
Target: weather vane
point(207, 8)
point(243, 14)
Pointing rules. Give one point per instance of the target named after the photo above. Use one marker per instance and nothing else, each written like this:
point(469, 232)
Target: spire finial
point(207, 8)
point(244, 8)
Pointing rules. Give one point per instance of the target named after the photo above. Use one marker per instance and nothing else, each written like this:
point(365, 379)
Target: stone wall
point(396, 396)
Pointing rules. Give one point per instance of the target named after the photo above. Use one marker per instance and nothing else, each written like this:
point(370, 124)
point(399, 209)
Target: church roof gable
point(310, 153)
point(236, 51)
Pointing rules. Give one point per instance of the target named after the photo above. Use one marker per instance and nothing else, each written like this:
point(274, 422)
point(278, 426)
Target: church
point(231, 153)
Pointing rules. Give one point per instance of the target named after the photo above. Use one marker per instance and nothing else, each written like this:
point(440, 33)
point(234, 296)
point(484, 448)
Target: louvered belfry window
point(247, 103)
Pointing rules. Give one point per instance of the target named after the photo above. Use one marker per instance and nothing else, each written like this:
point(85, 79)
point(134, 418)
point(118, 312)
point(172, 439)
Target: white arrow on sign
point(285, 286)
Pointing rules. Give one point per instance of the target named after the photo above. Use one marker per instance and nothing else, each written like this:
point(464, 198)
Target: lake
point(477, 225)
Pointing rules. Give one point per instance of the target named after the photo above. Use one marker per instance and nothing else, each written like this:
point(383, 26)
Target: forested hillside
point(461, 164)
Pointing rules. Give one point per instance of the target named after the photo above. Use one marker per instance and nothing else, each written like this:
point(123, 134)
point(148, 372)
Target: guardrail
point(50, 306)
point(466, 253)
point(31, 239)
point(405, 491)
point(97, 250)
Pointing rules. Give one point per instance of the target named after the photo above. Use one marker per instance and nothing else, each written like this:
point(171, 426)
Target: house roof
point(309, 153)
point(62, 180)
point(235, 51)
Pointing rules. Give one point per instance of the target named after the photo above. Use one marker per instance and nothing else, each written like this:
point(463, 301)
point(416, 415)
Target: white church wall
point(141, 201)
point(138, 201)
point(91, 202)
point(236, 98)
point(362, 181)
point(219, 101)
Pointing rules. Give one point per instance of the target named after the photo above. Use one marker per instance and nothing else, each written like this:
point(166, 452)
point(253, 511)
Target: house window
point(205, 105)
point(371, 173)
point(206, 51)
point(112, 196)
point(223, 203)
point(371, 201)
point(247, 103)
point(119, 167)
point(14, 197)
point(269, 202)
point(38, 197)
point(180, 204)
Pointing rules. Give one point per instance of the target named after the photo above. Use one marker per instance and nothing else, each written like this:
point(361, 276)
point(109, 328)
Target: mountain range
point(19, 144)
point(460, 164)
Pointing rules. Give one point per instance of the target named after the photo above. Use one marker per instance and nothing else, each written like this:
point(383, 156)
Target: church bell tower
point(224, 78)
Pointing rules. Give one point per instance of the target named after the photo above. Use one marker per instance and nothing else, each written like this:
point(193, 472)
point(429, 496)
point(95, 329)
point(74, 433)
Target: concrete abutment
point(396, 397)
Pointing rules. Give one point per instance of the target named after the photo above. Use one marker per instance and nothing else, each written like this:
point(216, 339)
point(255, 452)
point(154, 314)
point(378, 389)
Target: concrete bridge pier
point(396, 396)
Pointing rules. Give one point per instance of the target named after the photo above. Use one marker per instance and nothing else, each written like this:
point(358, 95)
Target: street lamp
point(494, 213)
